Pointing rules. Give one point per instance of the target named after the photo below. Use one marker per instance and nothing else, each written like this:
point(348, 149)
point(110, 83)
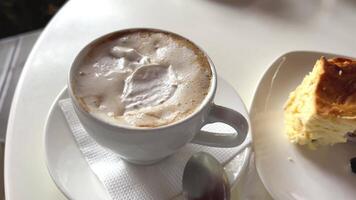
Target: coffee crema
point(142, 78)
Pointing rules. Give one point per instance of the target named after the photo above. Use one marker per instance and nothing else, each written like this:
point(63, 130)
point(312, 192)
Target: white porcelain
point(149, 145)
point(241, 36)
point(71, 172)
point(287, 170)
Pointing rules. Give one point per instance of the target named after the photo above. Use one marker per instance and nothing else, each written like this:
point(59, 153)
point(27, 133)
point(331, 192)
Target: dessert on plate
point(322, 109)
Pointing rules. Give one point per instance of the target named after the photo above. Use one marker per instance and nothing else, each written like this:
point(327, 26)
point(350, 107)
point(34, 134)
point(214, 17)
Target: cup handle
point(227, 116)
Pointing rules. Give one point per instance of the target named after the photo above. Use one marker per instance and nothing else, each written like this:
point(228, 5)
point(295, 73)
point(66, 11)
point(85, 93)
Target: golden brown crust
point(336, 88)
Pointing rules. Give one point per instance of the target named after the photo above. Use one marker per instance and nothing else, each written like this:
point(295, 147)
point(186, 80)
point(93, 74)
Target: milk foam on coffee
point(142, 79)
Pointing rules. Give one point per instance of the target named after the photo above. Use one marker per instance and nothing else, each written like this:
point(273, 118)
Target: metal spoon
point(204, 178)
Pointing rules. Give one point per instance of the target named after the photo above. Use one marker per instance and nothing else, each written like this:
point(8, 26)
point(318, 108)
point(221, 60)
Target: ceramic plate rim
point(268, 69)
point(45, 139)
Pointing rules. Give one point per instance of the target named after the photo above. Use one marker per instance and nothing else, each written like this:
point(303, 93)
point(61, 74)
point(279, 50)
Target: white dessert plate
point(71, 173)
point(287, 170)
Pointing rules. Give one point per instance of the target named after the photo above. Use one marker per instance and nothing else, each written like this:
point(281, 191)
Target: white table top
point(241, 36)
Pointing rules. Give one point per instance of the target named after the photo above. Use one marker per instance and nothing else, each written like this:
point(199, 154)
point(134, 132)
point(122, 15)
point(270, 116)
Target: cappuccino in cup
point(142, 78)
point(145, 93)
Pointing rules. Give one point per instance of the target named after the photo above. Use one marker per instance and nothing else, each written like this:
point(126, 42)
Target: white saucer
point(290, 171)
point(71, 173)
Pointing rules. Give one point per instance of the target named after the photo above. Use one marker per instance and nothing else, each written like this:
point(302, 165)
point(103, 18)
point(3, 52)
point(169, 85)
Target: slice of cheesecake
point(322, 109)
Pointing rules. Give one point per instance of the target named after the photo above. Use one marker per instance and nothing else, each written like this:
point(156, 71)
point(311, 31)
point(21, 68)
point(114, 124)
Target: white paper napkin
point(126, 181)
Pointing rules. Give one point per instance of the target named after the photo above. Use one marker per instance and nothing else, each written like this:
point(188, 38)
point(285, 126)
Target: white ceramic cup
point(149, 145)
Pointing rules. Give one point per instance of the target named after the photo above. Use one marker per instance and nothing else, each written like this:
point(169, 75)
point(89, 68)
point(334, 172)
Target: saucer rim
point(45, 139)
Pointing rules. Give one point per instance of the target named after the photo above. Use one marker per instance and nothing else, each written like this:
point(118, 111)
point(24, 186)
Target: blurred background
point(21, 22)
point(19, 16)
